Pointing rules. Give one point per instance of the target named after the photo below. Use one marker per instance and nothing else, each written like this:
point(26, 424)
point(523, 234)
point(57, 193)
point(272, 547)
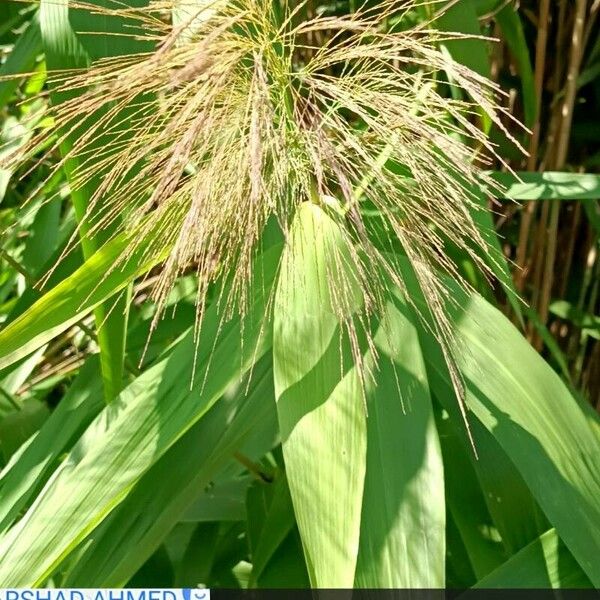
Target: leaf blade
point(320, 409)
point(402, 542)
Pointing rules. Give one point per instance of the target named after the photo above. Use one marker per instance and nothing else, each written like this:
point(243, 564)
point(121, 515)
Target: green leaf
point(461, 17)
point(550, 342)
point(509, 21)
point(59, 269)
point(196, 563)
point(566, 310)
point(30, 471)
point(43, 236)
point(543, 564)
point(13, 135)
point(459, 572)
point(494, 257)
point(287, 568)
point(74, 297)
point(21, 60)
point(243, 420)
point(402, 542)
point(11, 14)
point(466, 503)
point(156, 572)
point(14, 377)
point(223, 501)
point(550, 185)
point(270, 523)
point(17, 427)
point(523, 403)
point(515, 513)
point(131, 435)
point(230, 568)
point(470, 50)
point(320, 400)
point(486, 7)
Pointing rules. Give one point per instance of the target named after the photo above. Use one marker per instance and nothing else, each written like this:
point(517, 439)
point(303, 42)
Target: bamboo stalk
point(566, 120)
point(530, 207)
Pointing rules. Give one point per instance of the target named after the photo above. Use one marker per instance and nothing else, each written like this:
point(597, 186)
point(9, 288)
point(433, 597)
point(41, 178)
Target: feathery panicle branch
point(238, 116)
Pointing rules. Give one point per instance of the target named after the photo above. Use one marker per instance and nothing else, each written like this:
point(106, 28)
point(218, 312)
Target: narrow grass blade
point(69, 301)
point(28, 474)
point(21, 59)
point(512, 29)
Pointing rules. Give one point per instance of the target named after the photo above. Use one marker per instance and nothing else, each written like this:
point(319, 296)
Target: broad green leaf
point(133, 433)
point(61, 45)
point(102, 35)
point(402, 542)
point(74, 297)
point(470, 50)
point(543, 564)
point(223, 501)
point(230, 568)
point(320, 399)
point(459, 572)
point(287, 568)
point(486, 7)
point(550, 185)
point(515, 513)
point(244, 421)
point(156, 572)
point(523, 403)
point(516, 518)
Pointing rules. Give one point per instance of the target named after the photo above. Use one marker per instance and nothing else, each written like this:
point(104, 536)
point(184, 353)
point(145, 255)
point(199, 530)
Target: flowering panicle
point(241, 110)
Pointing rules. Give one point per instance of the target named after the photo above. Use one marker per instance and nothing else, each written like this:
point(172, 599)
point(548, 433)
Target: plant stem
point(564, 135)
